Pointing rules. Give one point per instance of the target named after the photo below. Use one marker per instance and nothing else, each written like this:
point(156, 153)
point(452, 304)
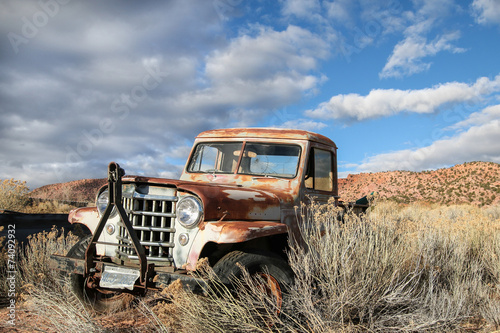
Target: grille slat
point(154, 229)
point(134, 257)
point(163, 244)
point(152, 218)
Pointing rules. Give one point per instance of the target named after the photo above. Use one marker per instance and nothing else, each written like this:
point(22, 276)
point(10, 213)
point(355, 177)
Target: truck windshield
point(260, 159)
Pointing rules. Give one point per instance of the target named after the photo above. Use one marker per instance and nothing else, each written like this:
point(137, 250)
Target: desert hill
point(83, 190)
point(475, 182)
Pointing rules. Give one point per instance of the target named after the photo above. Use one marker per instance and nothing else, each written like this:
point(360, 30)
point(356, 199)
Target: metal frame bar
point(115, 174)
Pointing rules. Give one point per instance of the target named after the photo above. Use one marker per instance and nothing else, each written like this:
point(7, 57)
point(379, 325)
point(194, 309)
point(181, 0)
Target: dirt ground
point(27, 321)
point(131, 320)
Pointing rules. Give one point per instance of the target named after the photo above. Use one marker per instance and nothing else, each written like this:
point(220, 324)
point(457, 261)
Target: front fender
point(229, 232)
point(87, 216)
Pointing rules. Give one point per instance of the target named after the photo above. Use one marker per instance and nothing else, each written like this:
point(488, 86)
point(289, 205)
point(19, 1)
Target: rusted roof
point(271, 133)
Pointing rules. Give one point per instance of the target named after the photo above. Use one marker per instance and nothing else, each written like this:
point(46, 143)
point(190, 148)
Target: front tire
point(99, 300)
point(274, 272)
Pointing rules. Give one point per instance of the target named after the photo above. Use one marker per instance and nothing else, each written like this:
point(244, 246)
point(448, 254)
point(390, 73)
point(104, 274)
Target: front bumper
point(157, 278)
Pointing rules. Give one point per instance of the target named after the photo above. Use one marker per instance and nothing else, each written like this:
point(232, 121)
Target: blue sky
point(398, 85)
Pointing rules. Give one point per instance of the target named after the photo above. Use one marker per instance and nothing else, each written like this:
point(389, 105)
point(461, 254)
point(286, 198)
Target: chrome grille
point(152, 218)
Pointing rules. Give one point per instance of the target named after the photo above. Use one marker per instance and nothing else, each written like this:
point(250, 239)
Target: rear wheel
point(272, 273)
point(101, 300)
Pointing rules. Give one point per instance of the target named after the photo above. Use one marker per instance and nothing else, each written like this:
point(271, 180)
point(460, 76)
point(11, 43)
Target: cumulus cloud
point(339, 10)
point(407, 56)
point(294, 49)
point(486, 11)
point(387, 102)
point(301, 8)
point(479, 142)
point(303, 124)
point(489, 114)
point(253, 75)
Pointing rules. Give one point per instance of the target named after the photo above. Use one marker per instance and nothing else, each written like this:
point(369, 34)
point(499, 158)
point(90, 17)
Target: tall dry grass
point(34, 257)
point(47, 207)
point(13, 194)
point(42, 291)
point(58, 308)
point(418, 268)
point(399, 268)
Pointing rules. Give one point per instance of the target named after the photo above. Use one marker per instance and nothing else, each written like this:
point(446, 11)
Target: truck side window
point(319, 174)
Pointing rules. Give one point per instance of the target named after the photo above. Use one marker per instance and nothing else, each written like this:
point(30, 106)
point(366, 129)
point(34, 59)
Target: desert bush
point(39, 285)
point(13, 194)
point(32, 259)
point(33, 263)
point(399, 268)
point(409, 267)
point(48, 207)
point(246, 308)
point(417, 268)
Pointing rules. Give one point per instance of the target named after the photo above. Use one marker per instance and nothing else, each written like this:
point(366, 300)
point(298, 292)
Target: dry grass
point(47, 207)
point(33, 264)
point(408, 269)
point(59, 309)
point(13, 194)
point(400, 268)
point(32, 259)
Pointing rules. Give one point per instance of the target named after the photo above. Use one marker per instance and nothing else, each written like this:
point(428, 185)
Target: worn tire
point(274, 270)
point(99, 300)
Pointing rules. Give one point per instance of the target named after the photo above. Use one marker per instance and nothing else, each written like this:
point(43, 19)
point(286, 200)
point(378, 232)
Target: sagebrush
point(399, 268)
point(13, 194)
point(418, 268)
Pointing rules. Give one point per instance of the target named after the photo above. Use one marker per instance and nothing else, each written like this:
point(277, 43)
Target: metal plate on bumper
point(118, 277)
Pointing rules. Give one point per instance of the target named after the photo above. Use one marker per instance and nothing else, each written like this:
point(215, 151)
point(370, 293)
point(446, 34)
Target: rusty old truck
point(235, 202)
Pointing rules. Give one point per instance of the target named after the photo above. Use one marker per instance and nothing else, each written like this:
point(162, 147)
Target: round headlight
point(189, 212)
point(102, 202)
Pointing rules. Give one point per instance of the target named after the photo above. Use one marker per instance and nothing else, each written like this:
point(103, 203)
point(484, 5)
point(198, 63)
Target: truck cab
point(234, 202)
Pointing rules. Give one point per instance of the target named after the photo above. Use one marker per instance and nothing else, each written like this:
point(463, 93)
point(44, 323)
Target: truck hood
point(223, 201)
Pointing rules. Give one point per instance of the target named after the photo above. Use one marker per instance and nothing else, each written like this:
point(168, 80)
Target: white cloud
point(407, 57)
point(387, 102)
point(301, 8)
point(480, 142)
point(303, 124)
point(294, 50)
point(339, 10)
point(263, 72)
point(490, 113)
point(486, 11)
